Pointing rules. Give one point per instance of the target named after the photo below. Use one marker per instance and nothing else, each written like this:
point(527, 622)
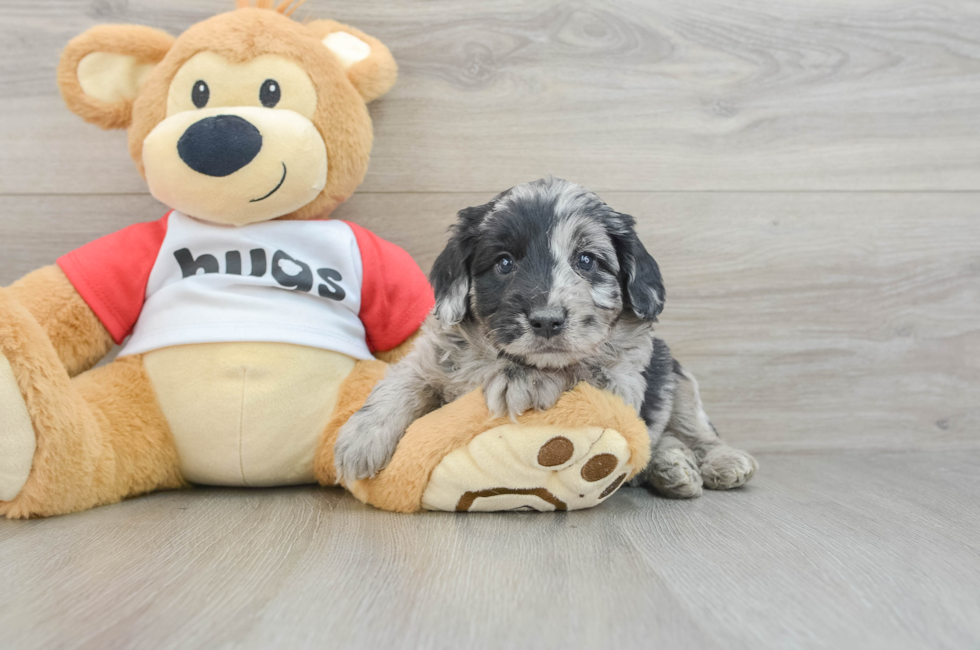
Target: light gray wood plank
point(840, 325)
point(825, 550)
point(719, 94)
point(814, 321)
point(835, 550)
point(36, 229)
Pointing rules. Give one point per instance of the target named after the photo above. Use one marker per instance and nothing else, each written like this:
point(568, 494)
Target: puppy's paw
point(505, 396)
point(364, 446)
point(724, 468)
point(673, 472)
point(546, 390)
point(513, 392)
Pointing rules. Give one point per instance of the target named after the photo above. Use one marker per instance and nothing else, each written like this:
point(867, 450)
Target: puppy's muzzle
point(547, 322)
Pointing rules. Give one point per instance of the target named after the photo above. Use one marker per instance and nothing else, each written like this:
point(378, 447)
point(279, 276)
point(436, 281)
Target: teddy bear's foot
point(542, 468)
point(67, 444)
point(17, 440)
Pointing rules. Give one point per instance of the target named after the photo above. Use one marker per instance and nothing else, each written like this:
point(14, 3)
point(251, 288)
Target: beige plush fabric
point(530, 468)
point(247, 414)
point(110, 77)
point(16, 435)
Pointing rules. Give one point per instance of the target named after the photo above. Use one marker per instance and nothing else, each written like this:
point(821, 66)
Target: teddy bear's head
point(245, 117)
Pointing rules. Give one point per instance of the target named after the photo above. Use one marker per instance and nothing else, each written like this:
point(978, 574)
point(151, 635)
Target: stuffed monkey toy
point(253, 325)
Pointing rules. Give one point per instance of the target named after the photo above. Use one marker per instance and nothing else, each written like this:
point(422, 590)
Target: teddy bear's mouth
point(275, 189)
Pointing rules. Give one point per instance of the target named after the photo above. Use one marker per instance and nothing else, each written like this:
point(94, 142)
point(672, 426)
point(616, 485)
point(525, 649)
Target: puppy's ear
point(450, 275)
point(643, 287)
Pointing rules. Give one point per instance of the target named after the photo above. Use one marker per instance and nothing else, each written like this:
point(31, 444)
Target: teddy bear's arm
point(76, 333)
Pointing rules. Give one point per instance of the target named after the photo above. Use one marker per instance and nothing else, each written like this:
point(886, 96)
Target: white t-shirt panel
point(280, 281)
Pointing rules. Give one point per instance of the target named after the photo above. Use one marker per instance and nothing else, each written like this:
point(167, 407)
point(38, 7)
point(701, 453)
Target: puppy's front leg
point(515, 389)
point(366, 443)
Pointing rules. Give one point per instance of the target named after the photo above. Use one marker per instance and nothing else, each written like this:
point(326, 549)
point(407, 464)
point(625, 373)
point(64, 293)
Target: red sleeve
point(395, 294)
point(111, 273)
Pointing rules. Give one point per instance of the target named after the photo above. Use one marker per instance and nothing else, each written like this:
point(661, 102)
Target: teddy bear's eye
point(269, 93)
point(200, 94)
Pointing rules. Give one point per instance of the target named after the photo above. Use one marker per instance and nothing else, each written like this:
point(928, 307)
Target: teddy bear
point(252, 325)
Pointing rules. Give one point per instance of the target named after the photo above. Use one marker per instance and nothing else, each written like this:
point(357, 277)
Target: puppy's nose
point(219, 145)
point(547, 321)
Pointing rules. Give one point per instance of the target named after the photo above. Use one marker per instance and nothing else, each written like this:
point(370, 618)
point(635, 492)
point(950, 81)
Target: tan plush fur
point(341, 114)
point(100, 436)
point(78, 337)
point(286, 7)
point(372, 77)
point(146, 44)
point(395, 354)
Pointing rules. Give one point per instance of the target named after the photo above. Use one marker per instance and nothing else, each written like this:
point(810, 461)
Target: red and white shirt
point(324, 284)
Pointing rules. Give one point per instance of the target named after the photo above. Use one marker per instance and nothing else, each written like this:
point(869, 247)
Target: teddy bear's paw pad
point(543, 468)
point(17, 440)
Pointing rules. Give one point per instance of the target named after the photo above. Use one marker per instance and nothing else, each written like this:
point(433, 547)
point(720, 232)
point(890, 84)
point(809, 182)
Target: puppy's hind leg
point(673, 469)
point(722, 467)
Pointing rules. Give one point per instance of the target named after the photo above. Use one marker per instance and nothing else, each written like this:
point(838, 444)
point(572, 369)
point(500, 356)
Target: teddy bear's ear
point(369, 64)
point(101, 71)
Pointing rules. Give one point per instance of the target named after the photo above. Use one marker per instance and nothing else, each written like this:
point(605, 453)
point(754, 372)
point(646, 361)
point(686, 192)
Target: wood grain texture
point(813, 321)
point(625, 95)
point(827, 550)
point(808, 176)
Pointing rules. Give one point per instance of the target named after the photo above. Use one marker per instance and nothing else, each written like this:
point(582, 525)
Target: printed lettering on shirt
point(288, 271)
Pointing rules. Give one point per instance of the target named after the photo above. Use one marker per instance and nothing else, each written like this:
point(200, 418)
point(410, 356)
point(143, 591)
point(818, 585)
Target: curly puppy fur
point(542, 288)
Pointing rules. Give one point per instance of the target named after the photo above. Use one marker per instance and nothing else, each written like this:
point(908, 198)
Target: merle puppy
point(541, 288)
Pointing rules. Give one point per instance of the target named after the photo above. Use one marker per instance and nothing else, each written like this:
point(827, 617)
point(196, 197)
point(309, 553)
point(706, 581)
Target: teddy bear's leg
point(459, 458)
point(97, 438)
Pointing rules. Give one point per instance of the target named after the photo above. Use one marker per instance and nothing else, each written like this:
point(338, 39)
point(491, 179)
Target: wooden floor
point(822, 550)
point(807, 173)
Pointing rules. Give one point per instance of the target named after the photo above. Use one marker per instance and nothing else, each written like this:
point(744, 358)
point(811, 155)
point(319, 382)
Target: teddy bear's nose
point(219, 145)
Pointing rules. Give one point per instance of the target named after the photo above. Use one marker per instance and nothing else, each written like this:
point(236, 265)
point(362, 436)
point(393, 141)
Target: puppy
point(541, 288)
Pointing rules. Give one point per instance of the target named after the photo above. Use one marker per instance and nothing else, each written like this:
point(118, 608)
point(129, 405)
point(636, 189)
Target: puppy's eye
point(586, 262)
point(200, 94)
point(270, 93)
point(505, 265)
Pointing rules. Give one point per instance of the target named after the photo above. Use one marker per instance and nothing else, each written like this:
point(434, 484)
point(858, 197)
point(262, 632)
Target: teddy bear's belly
point(247, 414)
